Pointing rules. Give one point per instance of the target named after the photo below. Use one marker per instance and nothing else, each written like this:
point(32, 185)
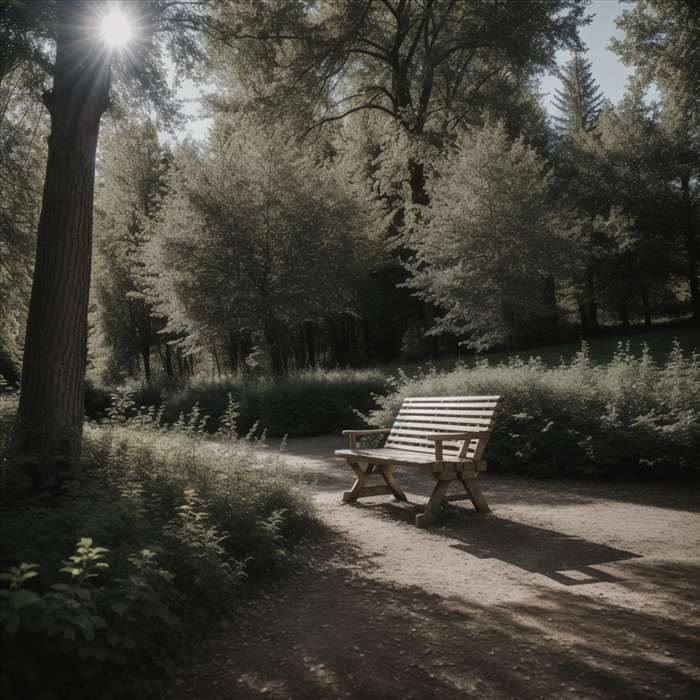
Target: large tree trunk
point(50, 418)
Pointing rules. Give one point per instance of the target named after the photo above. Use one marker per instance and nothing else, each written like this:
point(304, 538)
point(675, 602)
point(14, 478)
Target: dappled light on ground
point(560, 593)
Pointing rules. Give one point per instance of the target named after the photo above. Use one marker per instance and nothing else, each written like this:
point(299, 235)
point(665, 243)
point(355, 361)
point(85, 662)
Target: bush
point(167, 531)
point(578, 419)
point(312, 403)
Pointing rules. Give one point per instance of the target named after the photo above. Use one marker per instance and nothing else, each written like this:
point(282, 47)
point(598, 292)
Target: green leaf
point(21, 598)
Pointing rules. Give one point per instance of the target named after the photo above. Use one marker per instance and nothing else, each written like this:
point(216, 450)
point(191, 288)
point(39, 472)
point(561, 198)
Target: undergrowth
point(629, 416)
point(154, 537)
point(310, 403)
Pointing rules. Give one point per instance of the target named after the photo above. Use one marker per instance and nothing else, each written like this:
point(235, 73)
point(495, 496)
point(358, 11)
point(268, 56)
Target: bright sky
point(608, 71)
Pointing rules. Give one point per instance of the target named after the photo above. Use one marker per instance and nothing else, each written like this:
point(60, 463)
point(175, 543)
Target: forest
point(346, 208)
point(384, 203)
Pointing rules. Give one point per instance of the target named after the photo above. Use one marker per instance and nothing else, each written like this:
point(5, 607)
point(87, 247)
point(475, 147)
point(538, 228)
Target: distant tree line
point(382, 181)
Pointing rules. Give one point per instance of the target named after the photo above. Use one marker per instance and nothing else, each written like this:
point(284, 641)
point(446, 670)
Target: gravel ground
point(569, 589)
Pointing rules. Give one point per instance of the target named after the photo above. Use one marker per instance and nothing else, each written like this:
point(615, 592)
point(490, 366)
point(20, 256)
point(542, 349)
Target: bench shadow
point(563, 558)
point(340, 633)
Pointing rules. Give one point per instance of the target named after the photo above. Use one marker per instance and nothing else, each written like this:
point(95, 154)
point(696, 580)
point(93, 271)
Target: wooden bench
point(443, 436)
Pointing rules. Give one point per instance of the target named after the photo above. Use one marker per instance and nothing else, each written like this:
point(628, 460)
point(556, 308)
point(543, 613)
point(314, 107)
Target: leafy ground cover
point(155, 537)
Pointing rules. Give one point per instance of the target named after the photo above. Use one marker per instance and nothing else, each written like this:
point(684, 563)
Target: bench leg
point(390, 481)
point(475, 495)
point(360, 488)
point(433, 508)
point(362, 476)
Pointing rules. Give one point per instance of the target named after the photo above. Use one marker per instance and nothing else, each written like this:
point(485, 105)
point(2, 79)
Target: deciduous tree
point(491, 245)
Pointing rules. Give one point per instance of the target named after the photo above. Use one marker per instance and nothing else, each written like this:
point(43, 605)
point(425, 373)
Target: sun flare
point(116, 29)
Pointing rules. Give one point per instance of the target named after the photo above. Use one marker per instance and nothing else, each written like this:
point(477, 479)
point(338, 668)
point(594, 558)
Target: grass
point(602, 349)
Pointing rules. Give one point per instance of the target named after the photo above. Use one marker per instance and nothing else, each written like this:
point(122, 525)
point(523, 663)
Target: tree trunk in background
point(367, 340)
point(310, 343)
point(591, 304)
point(166, 359)
point(337, 341)
point(51, 407)
point(217, 364)
point(624, 313)
point(644, 293)
point(278, 364)
point(582, 314)
point(146, 357)
point(549, 298)
point(691, 246)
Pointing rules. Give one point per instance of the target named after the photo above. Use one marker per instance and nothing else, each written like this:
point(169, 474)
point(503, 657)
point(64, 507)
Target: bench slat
point(442, 417)
point(485, 405)
point(439, 429)
point(442, 399)
point(417, 440)
point(453, 426)
point(385, 455)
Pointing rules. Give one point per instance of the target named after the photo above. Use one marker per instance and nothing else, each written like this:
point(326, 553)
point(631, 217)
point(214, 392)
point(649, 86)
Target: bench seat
point(404, 458)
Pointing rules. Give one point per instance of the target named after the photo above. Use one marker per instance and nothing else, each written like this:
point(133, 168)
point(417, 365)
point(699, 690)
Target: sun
point(116, 29)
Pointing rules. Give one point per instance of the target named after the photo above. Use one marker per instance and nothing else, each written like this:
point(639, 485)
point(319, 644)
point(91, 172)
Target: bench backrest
point(443, 414)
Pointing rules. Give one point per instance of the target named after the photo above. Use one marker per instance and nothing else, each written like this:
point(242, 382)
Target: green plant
point(579, 419)
point(181, 528)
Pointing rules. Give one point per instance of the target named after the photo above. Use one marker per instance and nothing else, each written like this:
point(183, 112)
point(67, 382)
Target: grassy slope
point(660, 340)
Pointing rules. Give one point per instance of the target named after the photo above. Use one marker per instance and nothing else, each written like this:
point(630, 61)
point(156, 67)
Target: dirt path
point(568, 590)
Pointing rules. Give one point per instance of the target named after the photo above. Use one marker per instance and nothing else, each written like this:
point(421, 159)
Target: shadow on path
point(331, 632)
point(563, 558)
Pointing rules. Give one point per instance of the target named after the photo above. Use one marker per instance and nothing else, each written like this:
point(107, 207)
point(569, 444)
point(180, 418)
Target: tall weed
point(168, 530)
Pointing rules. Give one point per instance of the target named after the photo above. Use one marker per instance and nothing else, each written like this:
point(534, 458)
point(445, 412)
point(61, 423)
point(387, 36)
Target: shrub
point(311, 403)
point(167, 530)
point(578, 419)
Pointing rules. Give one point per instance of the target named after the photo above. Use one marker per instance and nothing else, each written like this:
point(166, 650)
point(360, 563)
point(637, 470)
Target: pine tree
point(580, 99)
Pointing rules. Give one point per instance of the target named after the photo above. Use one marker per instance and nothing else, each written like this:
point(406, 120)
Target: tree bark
point(51, 407)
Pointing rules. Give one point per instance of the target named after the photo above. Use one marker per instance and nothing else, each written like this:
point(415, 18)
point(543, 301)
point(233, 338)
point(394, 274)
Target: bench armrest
point(438, 439)
point(354, 434)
